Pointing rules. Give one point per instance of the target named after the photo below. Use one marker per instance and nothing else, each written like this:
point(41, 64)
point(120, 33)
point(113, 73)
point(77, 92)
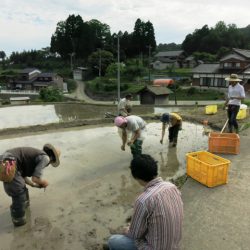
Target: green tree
point(2, 55)
point(50, 94)
point(100, 60)
point(143, 37)
point(149, 36)
point(102, 34)
point(168, 47)
point(192, 41)
point(67, 37)
point(112, 70)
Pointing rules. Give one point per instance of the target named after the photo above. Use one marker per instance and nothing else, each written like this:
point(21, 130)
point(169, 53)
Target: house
point(214, 74)
point(190, 62)
point(24, 80)
point(157, 95)
point(44, 80)
point(33, 79)
point(168, 59)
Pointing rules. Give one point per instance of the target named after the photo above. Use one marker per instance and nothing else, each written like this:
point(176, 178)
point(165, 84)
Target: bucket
point(211, 109)
point(242, 114)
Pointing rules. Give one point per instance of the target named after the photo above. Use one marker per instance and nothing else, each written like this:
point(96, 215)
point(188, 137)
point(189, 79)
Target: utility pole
point(100, 62)
point(149, 55)
point(71, 60)
point(118, 70)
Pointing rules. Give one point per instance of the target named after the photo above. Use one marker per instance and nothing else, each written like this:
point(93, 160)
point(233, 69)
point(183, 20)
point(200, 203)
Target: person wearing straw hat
point(29, 162)
point(236, 94)
point(136, 126)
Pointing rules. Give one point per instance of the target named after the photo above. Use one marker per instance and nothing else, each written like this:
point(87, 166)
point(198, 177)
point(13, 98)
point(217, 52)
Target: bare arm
point(124, 139)
point(36, 182)
point(135, 136)
point(163, 132)
point(40, 182)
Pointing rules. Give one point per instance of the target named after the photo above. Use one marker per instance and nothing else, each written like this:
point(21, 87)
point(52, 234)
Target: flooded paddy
point(91, 193)
point(32, 115)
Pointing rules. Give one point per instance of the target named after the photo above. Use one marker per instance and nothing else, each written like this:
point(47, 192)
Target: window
point(221, 82)
point(227, 65)
point(232, 65)
point(206, 81)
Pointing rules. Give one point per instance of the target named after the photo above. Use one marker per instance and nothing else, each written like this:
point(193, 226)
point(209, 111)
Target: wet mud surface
point(92, 192)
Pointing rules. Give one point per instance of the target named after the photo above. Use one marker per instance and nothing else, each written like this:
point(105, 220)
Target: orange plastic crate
point(207, 168)
point(225, 143)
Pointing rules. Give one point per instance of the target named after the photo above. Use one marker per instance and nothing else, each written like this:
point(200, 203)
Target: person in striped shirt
point(175, 123)
point(156, 222)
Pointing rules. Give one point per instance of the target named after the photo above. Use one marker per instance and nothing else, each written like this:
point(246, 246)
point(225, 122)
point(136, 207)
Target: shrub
point(71, 84)
point(191, 91)
point(50, 94)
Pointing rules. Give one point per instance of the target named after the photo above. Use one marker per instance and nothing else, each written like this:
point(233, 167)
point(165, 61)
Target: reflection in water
point(169, 163)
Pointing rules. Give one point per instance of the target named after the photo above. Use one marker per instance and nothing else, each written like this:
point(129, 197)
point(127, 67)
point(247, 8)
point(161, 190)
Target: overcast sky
point(26, 24)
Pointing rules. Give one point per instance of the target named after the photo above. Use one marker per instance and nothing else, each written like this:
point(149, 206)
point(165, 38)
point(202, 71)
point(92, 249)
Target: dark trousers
point(232, 112)
point(173, 133)
point(136, 148)
point(17, 190)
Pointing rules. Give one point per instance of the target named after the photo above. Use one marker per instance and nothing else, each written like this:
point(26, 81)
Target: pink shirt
point(157, 220)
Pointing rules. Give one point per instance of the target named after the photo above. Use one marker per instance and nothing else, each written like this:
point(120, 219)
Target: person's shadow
point(169, 163)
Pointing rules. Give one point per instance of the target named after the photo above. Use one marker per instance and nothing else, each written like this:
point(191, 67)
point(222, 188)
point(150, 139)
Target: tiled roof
point(243, 52)
point(233, 56)
point(47, 74)
point(157, 90)
point(29, 70)
point(206, 68)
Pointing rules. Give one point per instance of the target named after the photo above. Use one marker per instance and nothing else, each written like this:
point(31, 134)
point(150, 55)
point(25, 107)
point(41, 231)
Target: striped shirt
point(157, 220)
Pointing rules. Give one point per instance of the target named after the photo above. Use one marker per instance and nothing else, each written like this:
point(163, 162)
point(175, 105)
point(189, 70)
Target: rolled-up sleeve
point(42, 162)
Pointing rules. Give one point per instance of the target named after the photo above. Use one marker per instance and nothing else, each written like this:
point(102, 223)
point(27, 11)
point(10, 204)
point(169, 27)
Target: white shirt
point(134, 123)
point(124, 104)
point(235, 91)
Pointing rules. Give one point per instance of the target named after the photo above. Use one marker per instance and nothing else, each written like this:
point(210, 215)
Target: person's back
point(156, 223)
point(163, 214)
point(135, 122)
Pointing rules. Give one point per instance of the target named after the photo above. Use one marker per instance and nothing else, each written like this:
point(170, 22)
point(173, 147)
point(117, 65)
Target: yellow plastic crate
point(207, 168)
point(242, 114)
point(211, 109)
point(225, 143)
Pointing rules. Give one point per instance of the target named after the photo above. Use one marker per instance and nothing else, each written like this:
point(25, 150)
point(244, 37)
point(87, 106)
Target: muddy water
point(29, 115)
point(91, 193)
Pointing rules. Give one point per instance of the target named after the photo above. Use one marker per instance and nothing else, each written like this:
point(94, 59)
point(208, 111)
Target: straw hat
point(233, 78)
point(53, 153)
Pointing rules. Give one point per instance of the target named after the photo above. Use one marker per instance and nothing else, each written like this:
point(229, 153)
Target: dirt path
point(79, 94)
